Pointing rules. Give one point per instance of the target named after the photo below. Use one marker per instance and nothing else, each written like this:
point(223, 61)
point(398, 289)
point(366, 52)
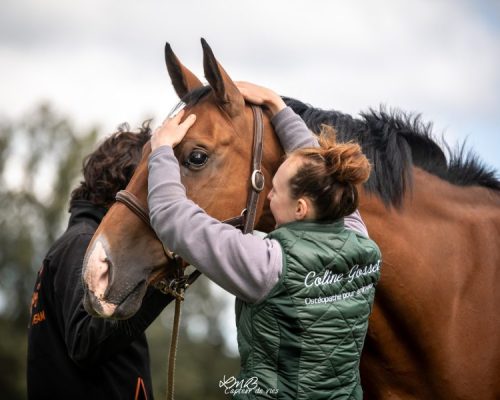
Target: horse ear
point(224, 88)
point(182, 78)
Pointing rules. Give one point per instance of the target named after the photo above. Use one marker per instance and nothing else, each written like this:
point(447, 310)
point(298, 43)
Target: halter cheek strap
point(257, 178)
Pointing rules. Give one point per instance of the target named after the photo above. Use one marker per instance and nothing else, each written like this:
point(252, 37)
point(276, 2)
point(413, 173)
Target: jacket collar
point(85, 210)
point(314, 225)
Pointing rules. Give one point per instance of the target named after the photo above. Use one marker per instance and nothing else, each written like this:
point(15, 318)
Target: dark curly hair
point(109, 168)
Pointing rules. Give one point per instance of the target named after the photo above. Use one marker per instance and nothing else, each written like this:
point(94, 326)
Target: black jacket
point(72, 355)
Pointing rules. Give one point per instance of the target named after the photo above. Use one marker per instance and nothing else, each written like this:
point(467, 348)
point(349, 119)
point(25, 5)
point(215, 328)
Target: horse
point(433, 332)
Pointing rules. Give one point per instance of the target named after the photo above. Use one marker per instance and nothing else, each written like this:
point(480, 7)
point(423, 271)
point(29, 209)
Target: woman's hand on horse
point(172, 131)
point(261, 96)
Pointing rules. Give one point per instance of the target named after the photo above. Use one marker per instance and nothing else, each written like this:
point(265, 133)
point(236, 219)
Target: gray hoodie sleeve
point(244, 265)
point(294, 134)
point(292, 131)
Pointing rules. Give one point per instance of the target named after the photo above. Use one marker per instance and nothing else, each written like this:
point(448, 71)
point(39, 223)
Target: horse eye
point(196, 159)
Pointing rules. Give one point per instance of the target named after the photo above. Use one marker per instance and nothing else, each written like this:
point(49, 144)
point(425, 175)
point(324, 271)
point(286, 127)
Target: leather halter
point(246, 219)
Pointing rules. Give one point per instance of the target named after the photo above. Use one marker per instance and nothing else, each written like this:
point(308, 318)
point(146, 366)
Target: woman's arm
point(244, 265)
point(292, 132)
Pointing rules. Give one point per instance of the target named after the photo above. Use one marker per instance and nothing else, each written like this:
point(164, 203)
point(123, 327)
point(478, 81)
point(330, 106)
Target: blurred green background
point(40, 163)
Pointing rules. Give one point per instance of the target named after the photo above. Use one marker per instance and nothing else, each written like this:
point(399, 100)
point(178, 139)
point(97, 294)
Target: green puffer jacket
point(304, 340)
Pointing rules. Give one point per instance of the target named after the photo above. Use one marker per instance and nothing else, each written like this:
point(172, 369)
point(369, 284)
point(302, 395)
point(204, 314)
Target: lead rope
point(173, 345)
point(173, 350)
point(176, 288)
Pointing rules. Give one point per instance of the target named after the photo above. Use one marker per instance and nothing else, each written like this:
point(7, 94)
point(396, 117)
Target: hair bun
point(329, 174)
point(345, 162)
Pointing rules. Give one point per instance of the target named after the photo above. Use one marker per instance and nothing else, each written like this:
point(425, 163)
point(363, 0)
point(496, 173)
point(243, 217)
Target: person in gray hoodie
point(305, 292)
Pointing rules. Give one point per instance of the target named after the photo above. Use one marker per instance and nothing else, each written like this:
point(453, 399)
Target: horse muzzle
point(105, 295)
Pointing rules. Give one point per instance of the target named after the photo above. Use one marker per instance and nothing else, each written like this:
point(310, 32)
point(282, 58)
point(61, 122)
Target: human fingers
point(173, 120)
point(177, 117)
point(251, 92)
point(188, 122)
point(170, 132)
point(179, 131)
point(262, 96)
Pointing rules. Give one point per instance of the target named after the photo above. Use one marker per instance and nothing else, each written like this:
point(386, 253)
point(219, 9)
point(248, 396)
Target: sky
point(101, 62)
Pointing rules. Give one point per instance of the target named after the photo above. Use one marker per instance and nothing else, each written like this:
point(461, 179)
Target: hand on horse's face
point(261, 96)
point(172, 131)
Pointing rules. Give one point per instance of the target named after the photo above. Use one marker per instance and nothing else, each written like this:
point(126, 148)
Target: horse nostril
point(103, 276)
point(98, 270)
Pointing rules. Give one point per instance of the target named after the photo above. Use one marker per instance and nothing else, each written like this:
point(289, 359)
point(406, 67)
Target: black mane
point(394, 142)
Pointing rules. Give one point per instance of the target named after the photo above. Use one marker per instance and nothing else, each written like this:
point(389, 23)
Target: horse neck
point(440, 253)
point(433, 193)
point(432, 211)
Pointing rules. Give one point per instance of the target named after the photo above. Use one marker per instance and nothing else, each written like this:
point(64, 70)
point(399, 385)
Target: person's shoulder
point(76, 236)
point(366, 243)
point(83, 227)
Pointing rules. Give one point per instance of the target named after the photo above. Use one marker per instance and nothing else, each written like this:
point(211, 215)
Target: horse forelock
point(394, 142)
point(196, 95)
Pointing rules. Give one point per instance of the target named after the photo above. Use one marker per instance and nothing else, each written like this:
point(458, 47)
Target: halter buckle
point(174, 287)
point(258, 180)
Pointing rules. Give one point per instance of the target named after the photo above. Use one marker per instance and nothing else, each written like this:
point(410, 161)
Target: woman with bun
point(303, 293)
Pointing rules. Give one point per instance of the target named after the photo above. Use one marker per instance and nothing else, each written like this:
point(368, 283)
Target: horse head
point(125, 255)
